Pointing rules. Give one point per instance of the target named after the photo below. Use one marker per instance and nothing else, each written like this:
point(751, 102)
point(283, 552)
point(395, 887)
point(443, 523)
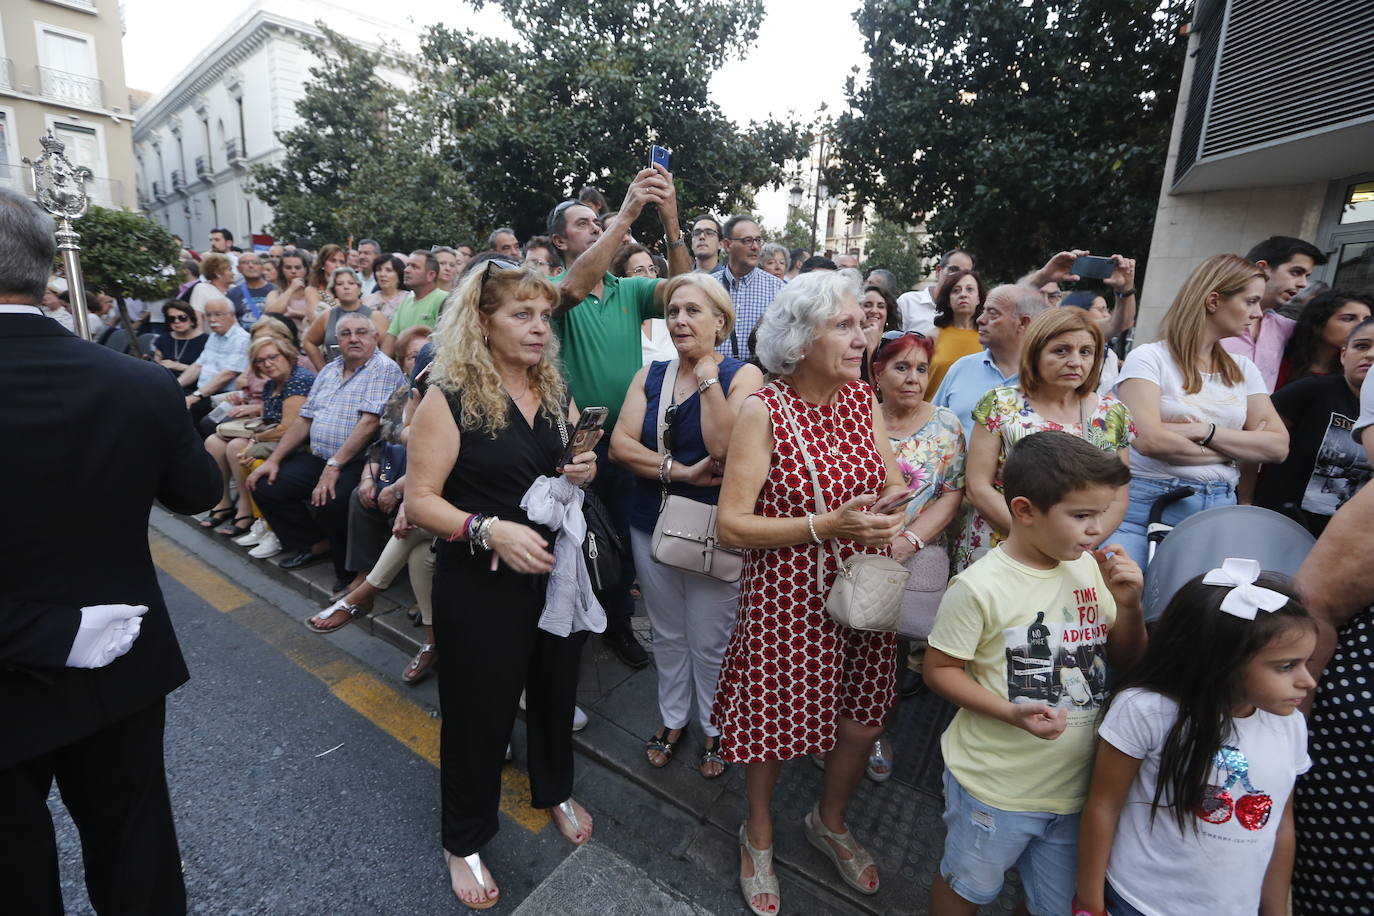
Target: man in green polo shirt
point(421, 275)
point(598, 320)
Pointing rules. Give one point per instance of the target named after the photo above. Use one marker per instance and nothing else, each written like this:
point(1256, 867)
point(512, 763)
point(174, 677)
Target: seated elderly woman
point(794, 681)
point(338, 421)
point(673, 433)
point(273, 359)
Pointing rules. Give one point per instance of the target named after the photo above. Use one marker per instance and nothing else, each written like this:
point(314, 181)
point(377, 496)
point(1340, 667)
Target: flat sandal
point(760, 883)
point(474, 864)
point(859, 858)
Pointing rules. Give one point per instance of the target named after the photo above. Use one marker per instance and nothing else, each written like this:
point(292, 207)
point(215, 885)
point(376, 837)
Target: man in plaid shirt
point(339, 420)
point(751, 288)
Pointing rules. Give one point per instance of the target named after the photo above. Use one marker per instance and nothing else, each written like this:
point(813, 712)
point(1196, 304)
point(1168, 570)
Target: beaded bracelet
point(811, 523)
point(665, 470)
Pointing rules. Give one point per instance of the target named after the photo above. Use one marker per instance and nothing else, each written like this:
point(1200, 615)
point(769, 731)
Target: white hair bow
point(1245, 599)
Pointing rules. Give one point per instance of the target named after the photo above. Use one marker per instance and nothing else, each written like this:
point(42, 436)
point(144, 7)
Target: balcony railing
point(232, 152)
point(203, 169)
point(6, 73)
point(61, 86)
point(178, 180)
point(159, 190)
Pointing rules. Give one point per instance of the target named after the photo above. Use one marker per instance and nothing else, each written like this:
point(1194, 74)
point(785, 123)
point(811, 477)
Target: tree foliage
point(896, 248)
point(494, 133)
point(127, 254)
point(796, 232)
point(1019, 128)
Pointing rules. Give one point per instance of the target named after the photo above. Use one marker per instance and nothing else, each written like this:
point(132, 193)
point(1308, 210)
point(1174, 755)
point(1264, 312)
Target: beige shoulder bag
point(868, 589)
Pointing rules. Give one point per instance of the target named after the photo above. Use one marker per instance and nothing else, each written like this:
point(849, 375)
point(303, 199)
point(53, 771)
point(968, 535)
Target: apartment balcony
point(70, 88)
point(159, 191)
point(233, 153)
point(6, 74)
point(203, 169)
point(178, 180)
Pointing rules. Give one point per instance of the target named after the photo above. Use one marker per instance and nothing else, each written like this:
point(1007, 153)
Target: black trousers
point(490, 647)
point(369, 530)
point(115, 788)
point(615, 484)
point(286, 506)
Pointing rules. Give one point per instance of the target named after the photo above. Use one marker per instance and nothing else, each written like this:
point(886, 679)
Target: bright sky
point(804, 53)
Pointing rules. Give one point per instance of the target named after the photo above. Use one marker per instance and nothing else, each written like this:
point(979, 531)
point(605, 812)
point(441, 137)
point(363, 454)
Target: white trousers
point(692, 617)
point(413, 551)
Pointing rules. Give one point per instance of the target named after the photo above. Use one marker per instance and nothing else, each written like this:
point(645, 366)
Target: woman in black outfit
point(486, 429)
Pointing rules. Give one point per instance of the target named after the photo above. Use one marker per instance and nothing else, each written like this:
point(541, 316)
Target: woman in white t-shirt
point(1197, 409)
point(1190, 808)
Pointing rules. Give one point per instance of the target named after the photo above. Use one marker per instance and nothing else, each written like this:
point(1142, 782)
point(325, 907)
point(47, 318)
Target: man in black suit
point(87, 652)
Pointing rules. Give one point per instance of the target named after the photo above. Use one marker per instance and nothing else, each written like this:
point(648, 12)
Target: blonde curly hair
point(462, 360)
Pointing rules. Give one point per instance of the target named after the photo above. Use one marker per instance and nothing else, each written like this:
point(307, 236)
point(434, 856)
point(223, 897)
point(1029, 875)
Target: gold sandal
point(759, 884)
point(859, 858)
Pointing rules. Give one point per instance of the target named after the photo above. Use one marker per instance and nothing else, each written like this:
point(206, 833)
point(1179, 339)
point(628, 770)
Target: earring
point(485, 343)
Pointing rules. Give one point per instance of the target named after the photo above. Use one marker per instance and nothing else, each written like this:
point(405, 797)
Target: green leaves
point(1020, 128)
point(124, 253)
point(495, 133)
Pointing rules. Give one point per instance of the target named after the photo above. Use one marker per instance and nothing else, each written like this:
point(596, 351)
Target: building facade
point(62, 69)
point(1272, 135)
point(197, 139)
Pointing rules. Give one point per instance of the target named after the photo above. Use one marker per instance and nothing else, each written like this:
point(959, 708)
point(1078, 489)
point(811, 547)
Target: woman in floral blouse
point(1061, 359)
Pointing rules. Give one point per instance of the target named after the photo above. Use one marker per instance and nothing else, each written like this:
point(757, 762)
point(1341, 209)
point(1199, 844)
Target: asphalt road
point(304, 779)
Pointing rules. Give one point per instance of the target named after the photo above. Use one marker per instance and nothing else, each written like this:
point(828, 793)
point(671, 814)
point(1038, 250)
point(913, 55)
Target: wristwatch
point(914, 539)
point(1125, 293)
point(679, 243)
point(333, 463)
point(706, 384)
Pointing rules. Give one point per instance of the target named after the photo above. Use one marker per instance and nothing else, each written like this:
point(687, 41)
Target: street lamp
point(794, 197)
point(60, 189)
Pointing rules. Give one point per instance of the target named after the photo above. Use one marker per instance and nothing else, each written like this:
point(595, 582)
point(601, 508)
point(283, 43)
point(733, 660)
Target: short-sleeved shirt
point(1264, 349)
point(918, 310)
point(1325, 465)
point(297, 384)
point(967, 381)
point(418, 311)
point(224, 353)
point(1216, 402)
point(931, 460)
point(1030, 636)
point(751, 295)
point(336, 404)
point(1218, 867)
point(601, 341)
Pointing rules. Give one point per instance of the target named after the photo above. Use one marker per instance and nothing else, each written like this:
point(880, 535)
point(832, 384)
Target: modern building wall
point(62, 68)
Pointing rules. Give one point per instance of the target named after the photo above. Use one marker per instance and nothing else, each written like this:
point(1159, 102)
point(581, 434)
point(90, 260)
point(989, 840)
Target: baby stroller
point(1178, 553)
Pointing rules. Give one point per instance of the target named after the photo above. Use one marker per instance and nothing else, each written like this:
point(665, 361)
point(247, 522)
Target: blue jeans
point(1144, 492)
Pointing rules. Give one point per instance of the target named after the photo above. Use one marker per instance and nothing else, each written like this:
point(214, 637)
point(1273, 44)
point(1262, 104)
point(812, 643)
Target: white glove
point(107, 631)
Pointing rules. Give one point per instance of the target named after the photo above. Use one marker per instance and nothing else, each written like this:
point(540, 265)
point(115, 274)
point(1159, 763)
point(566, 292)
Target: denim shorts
point(982, 842)
point(1144, 492)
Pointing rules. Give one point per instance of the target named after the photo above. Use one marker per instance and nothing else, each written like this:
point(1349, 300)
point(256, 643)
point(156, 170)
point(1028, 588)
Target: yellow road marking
point(355, 686)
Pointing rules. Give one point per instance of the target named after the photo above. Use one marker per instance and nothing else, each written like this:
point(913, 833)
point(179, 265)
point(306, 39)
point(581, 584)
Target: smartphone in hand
point(1090, 266)
point(890, 506)
point(658, 156)
point(589, 425)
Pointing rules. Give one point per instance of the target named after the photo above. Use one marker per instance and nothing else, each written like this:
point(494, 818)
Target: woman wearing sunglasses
point(699, 394)
point(180, 345)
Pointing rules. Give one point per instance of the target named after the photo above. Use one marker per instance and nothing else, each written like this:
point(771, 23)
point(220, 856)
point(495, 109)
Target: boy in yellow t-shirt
point(1021, 645)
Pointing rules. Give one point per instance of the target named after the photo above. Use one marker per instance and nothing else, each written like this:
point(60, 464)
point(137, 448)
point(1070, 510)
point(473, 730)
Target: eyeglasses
point(538, 262)
point(669, 418)
point(748, 241)
point(644, 270)
point(264, 360)
point(705, 233)
point(177, 319)
point(1055, 296)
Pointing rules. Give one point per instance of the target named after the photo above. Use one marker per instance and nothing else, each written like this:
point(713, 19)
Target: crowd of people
point(392, 410)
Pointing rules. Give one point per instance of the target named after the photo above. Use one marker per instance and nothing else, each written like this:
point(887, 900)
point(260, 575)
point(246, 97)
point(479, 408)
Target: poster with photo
point(1340, 470)
point(1059, 659)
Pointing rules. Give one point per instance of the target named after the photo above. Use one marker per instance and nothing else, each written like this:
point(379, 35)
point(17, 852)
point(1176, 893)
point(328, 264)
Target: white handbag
point(868, 589)
point(685, 533)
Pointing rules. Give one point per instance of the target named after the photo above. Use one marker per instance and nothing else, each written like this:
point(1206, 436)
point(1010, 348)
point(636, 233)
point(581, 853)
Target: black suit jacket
point(90, 438)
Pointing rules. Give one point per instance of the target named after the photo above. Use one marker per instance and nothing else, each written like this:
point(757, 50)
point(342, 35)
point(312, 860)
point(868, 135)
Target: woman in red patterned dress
point(794, 682)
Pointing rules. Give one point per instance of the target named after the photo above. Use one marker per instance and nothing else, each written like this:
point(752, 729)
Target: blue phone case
point(658, 156)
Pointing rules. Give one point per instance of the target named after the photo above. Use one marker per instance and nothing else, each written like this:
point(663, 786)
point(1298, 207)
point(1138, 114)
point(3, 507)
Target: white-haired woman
point(320, 342)
point(698, 394)
point(488, 427)
point(795, 682)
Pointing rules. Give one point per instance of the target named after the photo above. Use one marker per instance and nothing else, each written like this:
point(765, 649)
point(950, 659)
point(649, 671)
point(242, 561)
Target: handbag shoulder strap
point(665, 392)
point(815, 483)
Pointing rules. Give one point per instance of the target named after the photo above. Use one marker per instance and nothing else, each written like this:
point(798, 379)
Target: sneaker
point(254, 535)
point(269, 546)
point(579, 719)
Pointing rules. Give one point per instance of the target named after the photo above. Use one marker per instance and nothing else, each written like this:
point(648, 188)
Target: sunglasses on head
point(558, 210)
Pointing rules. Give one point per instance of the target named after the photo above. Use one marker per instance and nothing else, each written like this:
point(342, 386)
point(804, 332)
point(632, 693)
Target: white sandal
point(568, 811)
point(474, 864)
point(759, 884)
point(859, 858)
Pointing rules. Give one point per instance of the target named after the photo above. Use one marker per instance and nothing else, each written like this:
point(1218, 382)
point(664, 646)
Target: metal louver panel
point(1287, 68)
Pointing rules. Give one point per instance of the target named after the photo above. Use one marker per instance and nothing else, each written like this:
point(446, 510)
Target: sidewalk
point(898, 821)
